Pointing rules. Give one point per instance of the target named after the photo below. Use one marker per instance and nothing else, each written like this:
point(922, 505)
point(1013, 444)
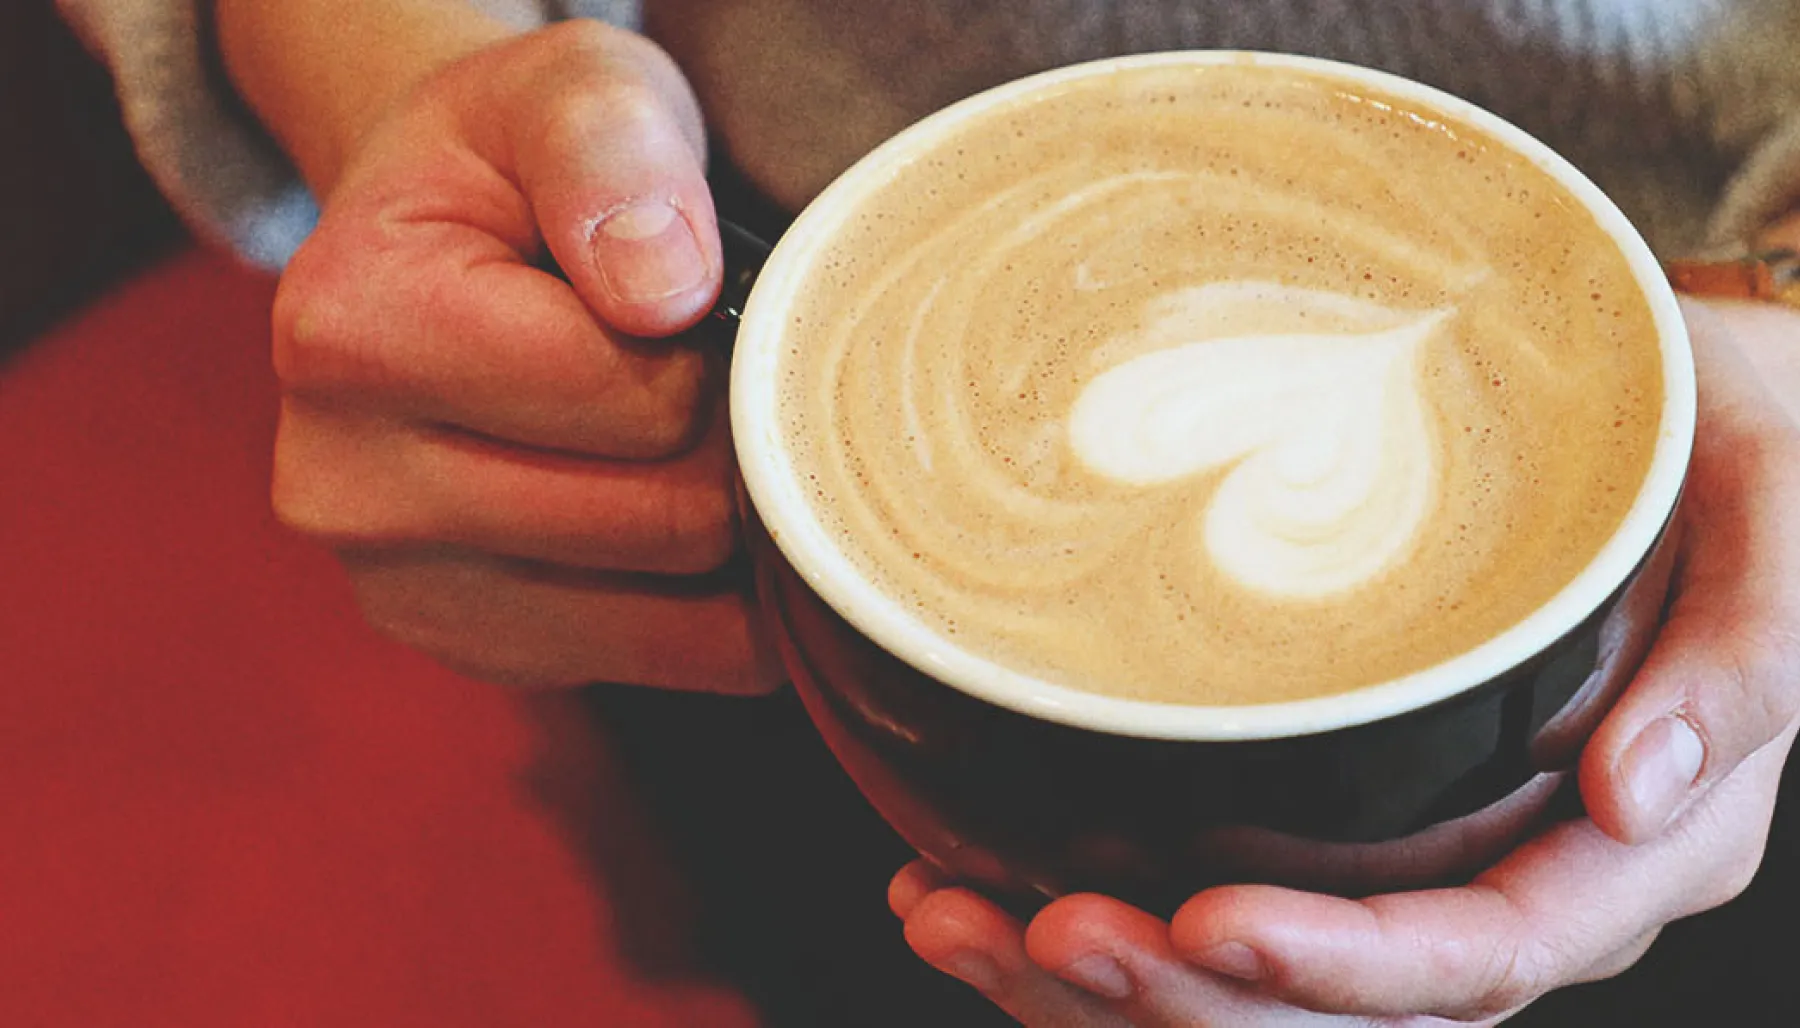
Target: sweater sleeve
point(1766, 187)
point(234, 186)
point(225, 175)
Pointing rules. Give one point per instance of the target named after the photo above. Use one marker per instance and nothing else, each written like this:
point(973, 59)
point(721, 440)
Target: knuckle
point(1734, 884)
point(1516, 975)
point(698, 538)
point(300, 323)
point(1733, 879)
point(294, 493)
point(1621, 961)
point(302, 508)
point(715, 544)
point(318, 491)
point(661, 406)
point(666, 436)
point(394, 620)
point(569, 120)
point(320, 342)
point(680, 416)
point(610, 113)
point(294, 512)
point(1761, 682)
point(632, 107)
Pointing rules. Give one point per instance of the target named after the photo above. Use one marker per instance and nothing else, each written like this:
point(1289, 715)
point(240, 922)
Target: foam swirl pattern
point(1321, 432)
point(1220, 387)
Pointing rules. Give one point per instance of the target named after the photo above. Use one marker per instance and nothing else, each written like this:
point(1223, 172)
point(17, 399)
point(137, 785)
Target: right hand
point(521, 478)
point(1582, 900)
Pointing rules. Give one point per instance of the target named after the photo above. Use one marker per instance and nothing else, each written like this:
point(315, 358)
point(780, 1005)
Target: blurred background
point(76, 210)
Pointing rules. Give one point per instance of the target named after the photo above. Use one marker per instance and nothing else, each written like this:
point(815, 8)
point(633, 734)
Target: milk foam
point(1225, 387)
point(1325, 435)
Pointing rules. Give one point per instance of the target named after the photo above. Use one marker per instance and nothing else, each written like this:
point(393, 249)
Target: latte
point(1219, 385)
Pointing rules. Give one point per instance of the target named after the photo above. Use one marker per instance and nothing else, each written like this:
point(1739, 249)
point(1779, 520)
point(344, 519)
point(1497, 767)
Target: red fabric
point(223, 801)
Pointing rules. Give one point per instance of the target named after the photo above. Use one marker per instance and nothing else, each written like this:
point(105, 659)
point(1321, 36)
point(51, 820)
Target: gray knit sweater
point(1686, 111)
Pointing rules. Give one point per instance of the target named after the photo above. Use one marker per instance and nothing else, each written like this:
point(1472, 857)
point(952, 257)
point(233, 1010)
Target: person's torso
point(1659, 100)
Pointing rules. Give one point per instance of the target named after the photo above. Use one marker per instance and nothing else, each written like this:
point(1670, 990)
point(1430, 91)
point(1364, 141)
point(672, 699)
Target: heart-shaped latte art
point(1312, 400)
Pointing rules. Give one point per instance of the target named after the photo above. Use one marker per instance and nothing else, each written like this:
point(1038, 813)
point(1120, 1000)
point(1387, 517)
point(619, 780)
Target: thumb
point(1723, 679)
point(612, 160)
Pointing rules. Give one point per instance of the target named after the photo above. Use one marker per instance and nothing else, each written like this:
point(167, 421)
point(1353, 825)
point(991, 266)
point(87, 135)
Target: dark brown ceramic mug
point(1032, 789)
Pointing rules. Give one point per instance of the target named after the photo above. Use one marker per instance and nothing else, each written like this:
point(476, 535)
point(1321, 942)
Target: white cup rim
point(780, 503)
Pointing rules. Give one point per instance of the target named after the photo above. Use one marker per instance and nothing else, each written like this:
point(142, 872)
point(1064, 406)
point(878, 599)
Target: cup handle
point(745, 253)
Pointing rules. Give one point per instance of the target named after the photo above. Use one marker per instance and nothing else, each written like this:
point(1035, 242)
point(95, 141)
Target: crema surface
point(1219, 386)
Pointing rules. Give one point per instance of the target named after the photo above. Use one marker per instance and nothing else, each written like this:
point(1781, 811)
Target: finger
point(1540, 919)
point(1723, 678)
point(911, 884)
point(616, 176)
point(1766, 335)
point(1124, 956)
point(519, 623)
point(1620, 962)
point(356, 480)
point(442, 323)
point(970, 939)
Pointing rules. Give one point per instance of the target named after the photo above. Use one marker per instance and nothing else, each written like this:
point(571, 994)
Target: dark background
point(76, 211)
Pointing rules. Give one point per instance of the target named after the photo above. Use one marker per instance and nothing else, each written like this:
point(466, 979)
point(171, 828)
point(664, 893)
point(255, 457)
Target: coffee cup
point(1210, 466)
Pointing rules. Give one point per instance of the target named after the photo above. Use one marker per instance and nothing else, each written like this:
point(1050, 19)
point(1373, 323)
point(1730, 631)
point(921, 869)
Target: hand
point(1679, 783)
point(519, 481)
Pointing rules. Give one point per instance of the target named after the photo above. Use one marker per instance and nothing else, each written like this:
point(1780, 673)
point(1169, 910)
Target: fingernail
point(1660, 767)
point(1100, 975)
point(647, 252)
point(977, 969)
point(1234, 959)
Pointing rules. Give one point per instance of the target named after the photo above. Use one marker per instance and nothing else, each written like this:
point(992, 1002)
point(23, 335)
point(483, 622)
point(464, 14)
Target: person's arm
point(319, 73)
point(200, 141)
point(516, 483)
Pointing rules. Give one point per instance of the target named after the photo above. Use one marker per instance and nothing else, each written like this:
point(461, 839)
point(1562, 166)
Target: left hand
point(1679, 783)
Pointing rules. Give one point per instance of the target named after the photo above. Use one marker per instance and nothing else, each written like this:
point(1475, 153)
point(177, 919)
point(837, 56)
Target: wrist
point(319, 74)
point(1765, 268)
